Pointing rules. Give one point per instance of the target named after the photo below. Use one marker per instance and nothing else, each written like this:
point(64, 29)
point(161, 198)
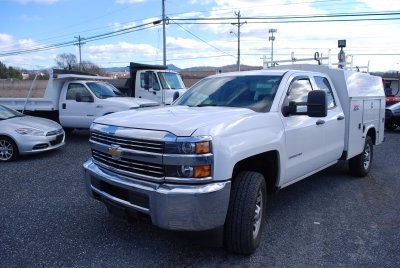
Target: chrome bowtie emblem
point(115, 151)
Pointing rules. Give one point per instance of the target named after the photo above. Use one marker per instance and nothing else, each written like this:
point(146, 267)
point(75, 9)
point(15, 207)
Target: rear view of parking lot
point(329, 219)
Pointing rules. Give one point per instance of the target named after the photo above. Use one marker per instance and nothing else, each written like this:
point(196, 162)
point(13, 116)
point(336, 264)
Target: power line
point(339, 17)
point(87, 39)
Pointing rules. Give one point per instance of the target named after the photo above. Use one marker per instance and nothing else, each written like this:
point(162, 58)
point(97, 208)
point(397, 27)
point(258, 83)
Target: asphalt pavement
point(330, 219)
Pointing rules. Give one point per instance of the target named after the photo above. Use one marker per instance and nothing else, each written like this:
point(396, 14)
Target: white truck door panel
point(153, 93)
point(73, 113)
point(304, 146)
point(311, 143)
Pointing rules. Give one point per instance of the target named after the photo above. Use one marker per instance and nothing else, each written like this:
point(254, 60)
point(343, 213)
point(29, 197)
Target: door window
point(298, 92)
point(80, 90)
point(323, 84)
point(156, 85)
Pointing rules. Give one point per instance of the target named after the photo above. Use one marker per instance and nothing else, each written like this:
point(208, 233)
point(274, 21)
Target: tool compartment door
point(355, 141)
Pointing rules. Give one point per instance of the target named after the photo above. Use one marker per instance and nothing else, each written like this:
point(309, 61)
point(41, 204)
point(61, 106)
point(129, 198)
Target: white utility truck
point(75, 99)
point(153, 82)
point(208, 160)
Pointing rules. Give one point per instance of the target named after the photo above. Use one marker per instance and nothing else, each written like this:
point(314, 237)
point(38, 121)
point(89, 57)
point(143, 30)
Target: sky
point(199, 32)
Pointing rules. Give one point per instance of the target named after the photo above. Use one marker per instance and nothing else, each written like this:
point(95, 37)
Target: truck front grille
point(129, 143)
point(136, 158)
point(127, 166)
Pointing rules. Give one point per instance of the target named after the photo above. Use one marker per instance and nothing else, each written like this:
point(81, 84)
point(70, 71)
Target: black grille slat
point(128, 165)
point(132, 144)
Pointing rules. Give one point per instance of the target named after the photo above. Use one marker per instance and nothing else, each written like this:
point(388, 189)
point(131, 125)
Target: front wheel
point(246, 213)
point(360, 165)
point(8, 149)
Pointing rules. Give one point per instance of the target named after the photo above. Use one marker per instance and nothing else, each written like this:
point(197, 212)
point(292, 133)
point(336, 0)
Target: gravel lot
point(329, 219)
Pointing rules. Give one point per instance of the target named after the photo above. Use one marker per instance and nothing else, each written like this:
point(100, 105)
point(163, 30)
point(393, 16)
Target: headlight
point(30, 131)
point(195, 145)
point(188, 171)
point(189, 158)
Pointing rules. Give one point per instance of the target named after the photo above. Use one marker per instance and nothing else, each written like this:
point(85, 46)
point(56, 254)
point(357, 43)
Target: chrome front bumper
point(170, 206)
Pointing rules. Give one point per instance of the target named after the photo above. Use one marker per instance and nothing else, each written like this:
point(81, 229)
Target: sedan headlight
point(30, 131)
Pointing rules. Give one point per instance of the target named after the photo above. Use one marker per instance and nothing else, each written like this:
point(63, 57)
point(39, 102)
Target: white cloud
point(5, 39)
point(122, 50)
point(387, 5)
point(118, 26)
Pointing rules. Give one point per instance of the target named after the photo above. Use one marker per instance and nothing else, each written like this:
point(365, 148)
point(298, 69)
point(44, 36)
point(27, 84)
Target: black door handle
point(340, 117)
point(320, 122)
point(64, 106)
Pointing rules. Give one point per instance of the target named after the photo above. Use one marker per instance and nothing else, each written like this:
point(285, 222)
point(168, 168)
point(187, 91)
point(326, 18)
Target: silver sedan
point(21, 134)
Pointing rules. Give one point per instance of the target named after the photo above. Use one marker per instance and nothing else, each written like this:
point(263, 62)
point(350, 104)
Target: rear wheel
point(390, 126)
point(246, 213)
point(8, 149)
point(360, 165)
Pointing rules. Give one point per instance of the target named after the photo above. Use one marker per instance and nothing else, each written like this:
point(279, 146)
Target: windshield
point(7, 113)
point(170, 80)
point(255, 92)
point(104, 90)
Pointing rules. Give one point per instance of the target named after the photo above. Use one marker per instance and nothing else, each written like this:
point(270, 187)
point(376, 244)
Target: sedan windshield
point(255, 92)
point(104, 90)
point(7, 113)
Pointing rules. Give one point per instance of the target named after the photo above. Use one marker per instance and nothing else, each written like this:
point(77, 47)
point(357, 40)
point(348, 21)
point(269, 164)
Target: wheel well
point(8, 137)
point(372, 133)
point(264, 163)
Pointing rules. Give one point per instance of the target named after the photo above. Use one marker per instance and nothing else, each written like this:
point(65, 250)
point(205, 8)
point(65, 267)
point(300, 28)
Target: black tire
point(390, 126)
point(246, 213)
point(360, 165)
point(8, 149)
point(68, 130)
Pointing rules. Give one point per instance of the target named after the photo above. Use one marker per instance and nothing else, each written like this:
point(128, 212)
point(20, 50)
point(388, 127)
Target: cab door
point(77, 109)
point(304, 136)
point(153, 92)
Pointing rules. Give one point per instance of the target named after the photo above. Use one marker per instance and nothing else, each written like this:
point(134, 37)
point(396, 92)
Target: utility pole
point(164, 36)
point(272, 39)
point(80, 51)
point(239, 24)
point(164, 48)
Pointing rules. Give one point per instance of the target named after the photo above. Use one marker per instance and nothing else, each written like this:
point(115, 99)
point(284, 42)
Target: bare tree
point(67, 61)
point(90, 67)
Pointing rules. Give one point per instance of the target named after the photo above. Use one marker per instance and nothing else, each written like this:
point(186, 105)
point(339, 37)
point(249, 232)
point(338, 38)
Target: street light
point(272, 39)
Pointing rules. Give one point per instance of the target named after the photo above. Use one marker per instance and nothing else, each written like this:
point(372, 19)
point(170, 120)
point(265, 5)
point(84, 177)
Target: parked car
point(392, 116)
point(21, 134)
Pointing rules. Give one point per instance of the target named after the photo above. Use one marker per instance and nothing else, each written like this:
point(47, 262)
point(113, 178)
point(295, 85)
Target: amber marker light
point(203, 147)
point(202, 171)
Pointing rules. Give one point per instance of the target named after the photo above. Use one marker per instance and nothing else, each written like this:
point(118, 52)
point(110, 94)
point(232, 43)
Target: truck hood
point(179, 120)
point(131, 102)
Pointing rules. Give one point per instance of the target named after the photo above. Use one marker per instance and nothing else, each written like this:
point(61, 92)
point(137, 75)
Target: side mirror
point(317, 104)
point(291, 109)
point(148, 80)
point(78, 97)
point(176, 95)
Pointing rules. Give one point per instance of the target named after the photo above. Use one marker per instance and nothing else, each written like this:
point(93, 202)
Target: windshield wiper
point(205, 105)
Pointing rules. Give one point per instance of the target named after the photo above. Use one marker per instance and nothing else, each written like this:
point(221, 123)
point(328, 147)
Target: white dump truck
point(208, 160)
point(153, 82)
point(75, 99)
